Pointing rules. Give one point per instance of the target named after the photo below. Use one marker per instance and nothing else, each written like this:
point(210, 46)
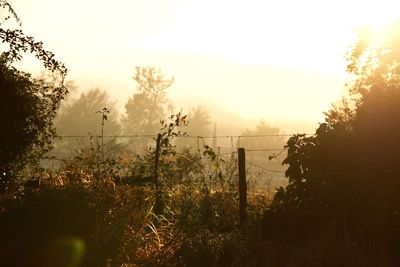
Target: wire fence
point(259, 162)
point(263, 168)
point(183, 136)
point(235, 140)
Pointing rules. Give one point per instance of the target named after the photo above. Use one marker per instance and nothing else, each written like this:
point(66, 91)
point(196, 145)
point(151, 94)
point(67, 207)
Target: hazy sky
point(262, 59)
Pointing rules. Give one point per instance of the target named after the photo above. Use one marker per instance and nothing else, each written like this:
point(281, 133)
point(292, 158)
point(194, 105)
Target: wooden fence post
point(242, 186)
point(158, 205)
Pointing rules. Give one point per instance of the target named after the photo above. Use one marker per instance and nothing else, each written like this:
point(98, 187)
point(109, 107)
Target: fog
point(240, 64)
point(236, 58)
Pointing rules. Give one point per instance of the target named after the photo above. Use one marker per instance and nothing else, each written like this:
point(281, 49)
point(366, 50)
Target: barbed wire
point(265, 169)
point(228, 153)
point(281, 150)
point(108, 136)
point(266, 149)
point(181, 136)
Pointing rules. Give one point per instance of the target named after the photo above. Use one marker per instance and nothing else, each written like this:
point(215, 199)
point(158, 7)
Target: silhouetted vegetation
point(344, 180)
point(80, 122)
point(147, 106)
point(28, 105)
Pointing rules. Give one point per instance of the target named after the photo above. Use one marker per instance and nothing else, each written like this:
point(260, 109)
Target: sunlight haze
point(277, 60)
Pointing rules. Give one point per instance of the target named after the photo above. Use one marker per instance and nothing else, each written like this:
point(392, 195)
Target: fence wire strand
point(183, 136)
point(265, 169)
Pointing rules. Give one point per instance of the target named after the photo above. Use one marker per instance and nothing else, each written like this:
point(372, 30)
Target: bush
point(105, 219)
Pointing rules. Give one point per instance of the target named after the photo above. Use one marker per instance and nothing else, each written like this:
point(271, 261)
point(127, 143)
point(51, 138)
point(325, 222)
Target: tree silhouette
point(271, 137)
point(83, 117)
point(269, 140)
point(199, 124)
point(347, 174)
point(27, 106)
point(148, 105)
point(80, 117)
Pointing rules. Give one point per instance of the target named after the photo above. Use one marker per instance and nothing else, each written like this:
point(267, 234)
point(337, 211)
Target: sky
point(273, 60)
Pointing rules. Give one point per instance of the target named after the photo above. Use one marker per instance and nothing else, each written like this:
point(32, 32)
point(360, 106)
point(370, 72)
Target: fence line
point(266, 149)
point(182, 136)
point(242, 185)
point(265, 169)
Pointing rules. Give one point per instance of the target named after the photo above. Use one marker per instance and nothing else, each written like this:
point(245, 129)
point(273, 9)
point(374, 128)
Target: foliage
point(268, 153)
point(105, 218)
point(83, 119)
point(147, 106)
point(117, 221)
point(19, 43)
point(374, 59)
point(262, 128)
point(199, 124)
point(80, 116)
point(28, 105)
point(346, 175)
point(269, 138)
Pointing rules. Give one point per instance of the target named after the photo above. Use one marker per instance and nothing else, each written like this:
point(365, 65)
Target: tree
point(199, 124)
point(268, 137)
point(27, 106)
point(148, 105)
point(84, 117)
point(268, 140)
point(347, 174)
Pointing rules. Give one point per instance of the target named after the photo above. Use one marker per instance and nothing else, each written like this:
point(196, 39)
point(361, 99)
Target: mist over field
point(258, 67)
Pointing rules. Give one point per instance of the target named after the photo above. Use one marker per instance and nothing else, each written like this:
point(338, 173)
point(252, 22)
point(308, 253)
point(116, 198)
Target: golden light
point(215, 49)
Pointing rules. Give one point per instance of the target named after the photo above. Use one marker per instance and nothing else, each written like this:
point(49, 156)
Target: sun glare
point(204, 42)
point(281, 33)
